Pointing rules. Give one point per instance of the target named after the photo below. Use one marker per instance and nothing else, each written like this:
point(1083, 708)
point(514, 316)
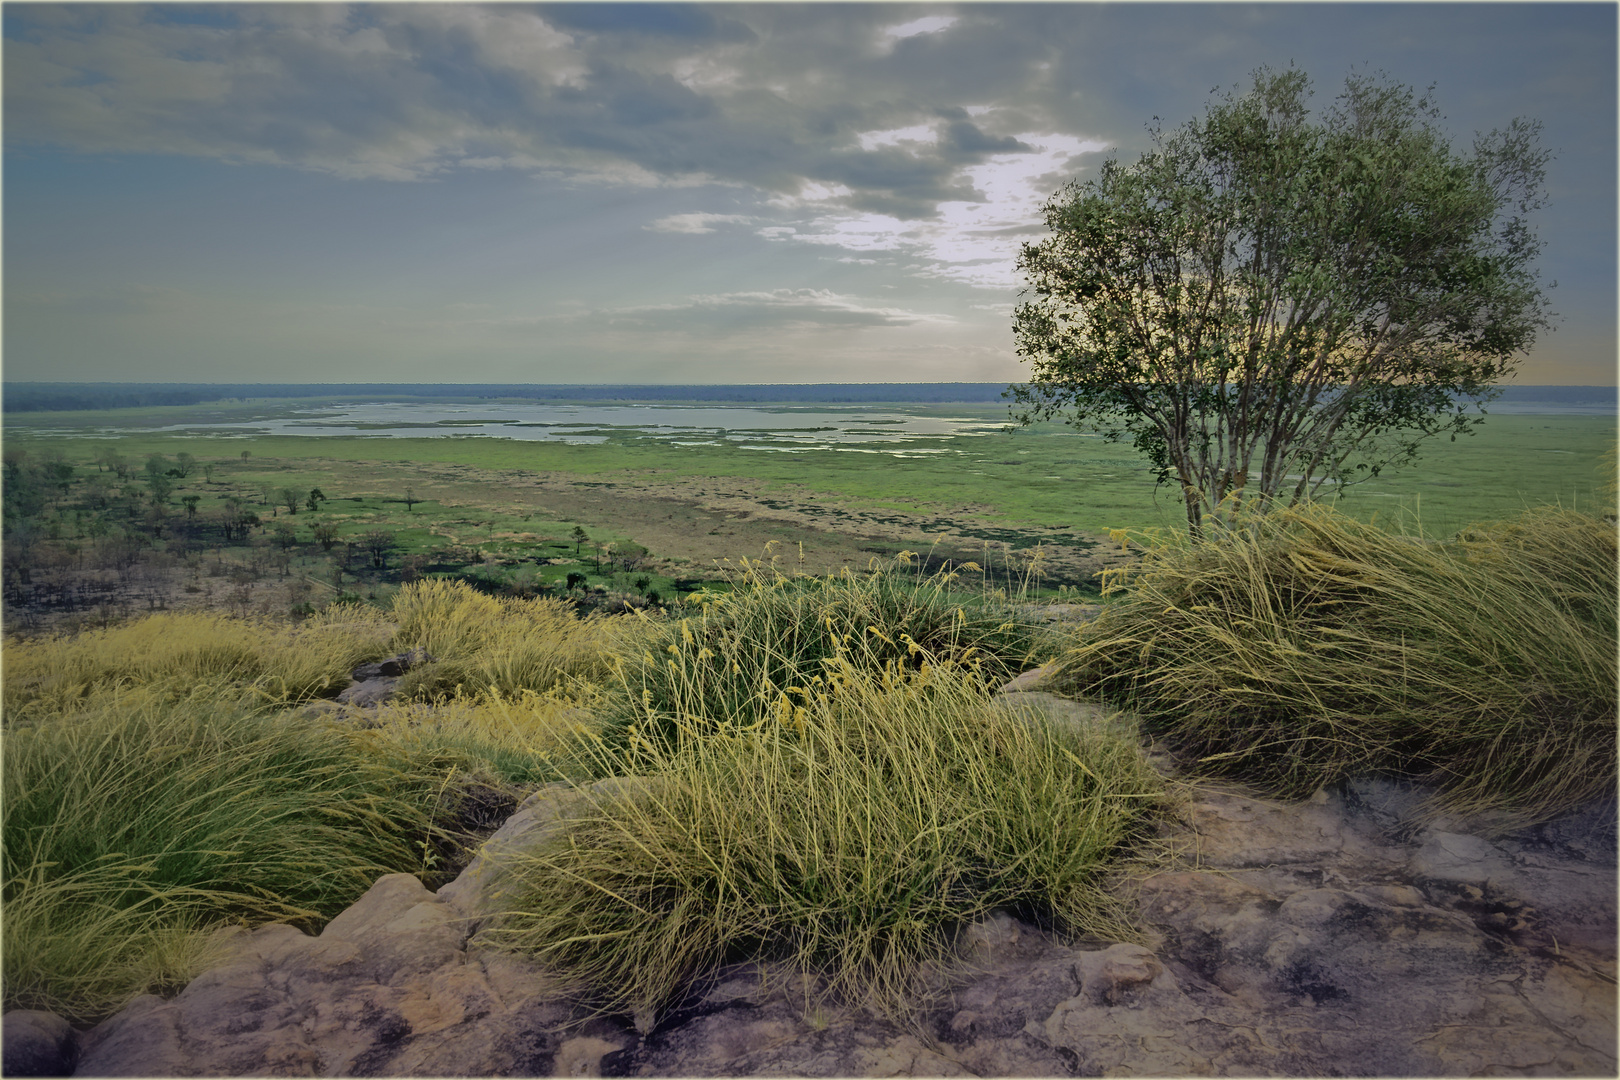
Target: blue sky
point(667, 193)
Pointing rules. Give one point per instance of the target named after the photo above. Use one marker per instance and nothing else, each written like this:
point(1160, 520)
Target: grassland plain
point(697, 504)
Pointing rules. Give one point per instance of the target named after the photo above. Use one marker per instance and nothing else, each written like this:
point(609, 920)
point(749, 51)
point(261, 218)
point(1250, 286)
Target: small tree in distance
point(1264, 305)
point(378, 543)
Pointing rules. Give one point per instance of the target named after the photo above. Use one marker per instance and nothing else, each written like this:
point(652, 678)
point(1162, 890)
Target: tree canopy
point(1265, 304)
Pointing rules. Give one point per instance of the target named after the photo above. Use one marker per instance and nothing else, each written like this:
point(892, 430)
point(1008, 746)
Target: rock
point(387, 988)
point(1033, 679)
point(393, 667)
point(1352, 933)
point(478, 892)
point(368, 694)
point(375, 683)
point(37, 1043)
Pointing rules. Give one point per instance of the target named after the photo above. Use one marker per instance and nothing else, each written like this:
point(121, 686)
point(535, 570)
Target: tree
point(325, 534)
point(1263, 300)
point(579, 537)
point(379, 542)
point(161, 487)
point(184, 462)
point(410, 498)
point(236, 520)
point(314, 499)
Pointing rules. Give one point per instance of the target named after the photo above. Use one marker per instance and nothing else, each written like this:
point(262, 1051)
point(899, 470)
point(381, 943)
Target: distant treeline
point(42, 396)
point(53, 397)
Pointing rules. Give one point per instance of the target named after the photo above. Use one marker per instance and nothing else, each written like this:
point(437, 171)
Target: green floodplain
point(1044, 475)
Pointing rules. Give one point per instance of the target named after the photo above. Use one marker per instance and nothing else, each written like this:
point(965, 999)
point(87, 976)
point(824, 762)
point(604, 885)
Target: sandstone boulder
point(1355, 933)
point(37, 1043)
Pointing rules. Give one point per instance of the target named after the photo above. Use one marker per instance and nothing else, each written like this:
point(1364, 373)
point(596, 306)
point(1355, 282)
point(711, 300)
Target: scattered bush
point(487, 644)
point(1311, 647)
point(729, 665)
point(526, 739)
point(138, 821)
point(178, 652)
point(852, 831)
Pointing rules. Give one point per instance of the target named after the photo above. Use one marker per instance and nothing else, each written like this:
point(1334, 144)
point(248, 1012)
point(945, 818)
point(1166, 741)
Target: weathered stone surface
point(1033, 679)
point(375, 683)
point(393, 667)
point(1354, 933)
point(478, 894)
point(387, 988)
point(37, 1043)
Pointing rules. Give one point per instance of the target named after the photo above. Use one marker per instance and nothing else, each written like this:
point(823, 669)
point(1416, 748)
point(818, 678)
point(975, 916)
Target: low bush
point(177, 652)
point(728, 664)
point(851, 831)
point(525, 739)
point(488, 644)
point(139, 820)
point(1310, 647)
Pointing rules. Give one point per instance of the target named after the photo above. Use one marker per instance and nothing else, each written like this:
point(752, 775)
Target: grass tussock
point(1312, 647)
point(728, 664)
point(502, 646)
point(138, 820)
point(525, 739)
point(178, 652)
point(851, 831)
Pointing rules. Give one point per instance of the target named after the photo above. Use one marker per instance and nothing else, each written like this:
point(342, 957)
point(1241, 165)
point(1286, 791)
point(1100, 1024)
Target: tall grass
point(138, 819)
point(525, 739)
point(503, 646)
point(852, 831)
point(176, 652)
point(1312, 646)
point(728, 664)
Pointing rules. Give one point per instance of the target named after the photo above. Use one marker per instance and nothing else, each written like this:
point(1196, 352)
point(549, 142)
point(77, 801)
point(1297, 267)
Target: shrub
point(852, 831)
point(1312, 646)
point(526, 739)
point(505, 646)
point(178, 652)
point(139, 820)
point(728, 665)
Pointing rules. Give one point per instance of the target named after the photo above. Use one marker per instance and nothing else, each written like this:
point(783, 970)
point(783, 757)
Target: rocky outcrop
point(1348, 934)
point(375, 683)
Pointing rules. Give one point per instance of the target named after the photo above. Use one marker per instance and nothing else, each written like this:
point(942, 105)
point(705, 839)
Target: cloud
point(637, 94)
point(736, 312)
point(928, 24)
point(697, 223)
point(930, 131)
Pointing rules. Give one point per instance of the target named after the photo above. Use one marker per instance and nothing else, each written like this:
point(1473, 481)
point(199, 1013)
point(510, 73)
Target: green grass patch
point(743, 654)
point(1314, 647)
point(1046, 475)
point(138, 822)
point(851, 835)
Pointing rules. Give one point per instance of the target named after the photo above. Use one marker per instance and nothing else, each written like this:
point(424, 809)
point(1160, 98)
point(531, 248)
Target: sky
point(685, 193)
